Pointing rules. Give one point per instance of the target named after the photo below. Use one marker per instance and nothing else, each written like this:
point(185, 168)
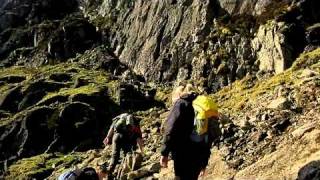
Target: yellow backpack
point(205, 108)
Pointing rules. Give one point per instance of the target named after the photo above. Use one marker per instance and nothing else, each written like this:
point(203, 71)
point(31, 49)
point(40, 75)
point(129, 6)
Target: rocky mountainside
point(69, 66)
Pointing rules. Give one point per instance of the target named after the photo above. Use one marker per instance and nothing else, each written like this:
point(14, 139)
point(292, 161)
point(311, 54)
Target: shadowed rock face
point(17, 13)
point(176, 40)
point(43, 32)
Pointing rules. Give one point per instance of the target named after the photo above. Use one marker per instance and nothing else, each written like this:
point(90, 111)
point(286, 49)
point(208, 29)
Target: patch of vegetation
point(307, 59)
point(41, 166)
point(88, 89)
point(247, 91)
point(18, 71)
point(104, 22)
point(163, 94)
point(97, 80)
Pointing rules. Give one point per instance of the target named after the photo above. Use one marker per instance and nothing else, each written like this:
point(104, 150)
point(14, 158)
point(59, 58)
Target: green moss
point(163, 94)
point(18, 71)
point(307, 59)
point(96, 79)
point(88, 89)
point(41, 165)
point(247, 91)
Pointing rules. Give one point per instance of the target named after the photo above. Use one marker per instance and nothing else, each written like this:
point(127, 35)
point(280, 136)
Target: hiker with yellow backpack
point(189, 133)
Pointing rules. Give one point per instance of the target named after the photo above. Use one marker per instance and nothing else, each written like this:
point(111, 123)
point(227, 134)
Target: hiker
point(189, 134)
point(87, 173)
point(125, 134)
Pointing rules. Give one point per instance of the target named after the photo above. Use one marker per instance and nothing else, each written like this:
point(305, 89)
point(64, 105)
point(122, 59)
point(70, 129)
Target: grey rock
point(279, 103)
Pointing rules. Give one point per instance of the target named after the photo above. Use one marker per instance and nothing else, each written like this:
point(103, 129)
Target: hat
point(189, 89)
point(176, 93)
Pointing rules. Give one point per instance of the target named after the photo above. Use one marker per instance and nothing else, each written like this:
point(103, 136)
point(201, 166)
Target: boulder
point(138, 97)
point(282, 125)
point(75, 36)
point(77, 123)
point(30, 99)
point(28, 135)
point(101, 58)
point(45, 86)
point(279, 103)
point(13, 79)
point(313, 35)
point(80, 82)
point(299, 132)
point(60, 77)
point(9, 101)
point(310, 171)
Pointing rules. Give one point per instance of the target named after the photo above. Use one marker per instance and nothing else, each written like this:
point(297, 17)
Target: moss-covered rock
point(41, 166)
point(40, 90)
point(247, 91)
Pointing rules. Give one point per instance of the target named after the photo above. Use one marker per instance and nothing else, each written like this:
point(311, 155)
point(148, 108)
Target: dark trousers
point(118, 143)
point(188, 161)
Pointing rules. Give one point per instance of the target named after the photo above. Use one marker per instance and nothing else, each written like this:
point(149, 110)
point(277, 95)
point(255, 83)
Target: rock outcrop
point(62, 108)
point(277, 45)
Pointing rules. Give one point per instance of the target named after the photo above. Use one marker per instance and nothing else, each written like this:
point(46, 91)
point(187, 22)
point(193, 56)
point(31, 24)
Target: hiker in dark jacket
point(125, 134)
point(190, 158)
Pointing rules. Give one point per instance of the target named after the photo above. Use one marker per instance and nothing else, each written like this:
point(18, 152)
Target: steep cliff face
point(156, 38)
point(179, 40)
point(250, 7)
point(164, 41)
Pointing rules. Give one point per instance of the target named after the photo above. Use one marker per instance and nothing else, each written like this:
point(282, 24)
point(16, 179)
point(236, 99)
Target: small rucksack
point(121, 121)
point(204, 108)
point(69, 175)
point(87, 173)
